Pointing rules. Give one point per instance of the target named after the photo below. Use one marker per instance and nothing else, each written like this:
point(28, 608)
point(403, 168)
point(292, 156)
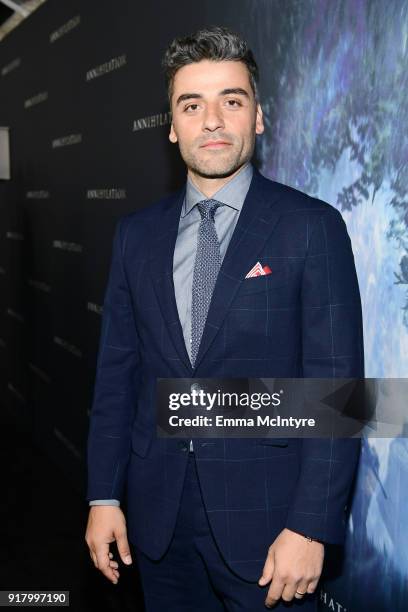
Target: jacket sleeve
point(112, 411)
point(332, 346)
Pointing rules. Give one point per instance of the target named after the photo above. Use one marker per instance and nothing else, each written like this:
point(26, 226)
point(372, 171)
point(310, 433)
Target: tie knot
point(207, 208)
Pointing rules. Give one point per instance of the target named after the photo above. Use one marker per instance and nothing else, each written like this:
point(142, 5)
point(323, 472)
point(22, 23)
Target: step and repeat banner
point(83, 96)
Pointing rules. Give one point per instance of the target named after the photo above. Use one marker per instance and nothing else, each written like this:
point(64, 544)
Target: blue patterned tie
point(206, 268)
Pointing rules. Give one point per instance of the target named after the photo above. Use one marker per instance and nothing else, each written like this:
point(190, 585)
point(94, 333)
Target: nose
point(213, 119)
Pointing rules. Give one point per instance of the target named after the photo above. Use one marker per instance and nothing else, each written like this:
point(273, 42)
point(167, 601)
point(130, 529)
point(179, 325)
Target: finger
point(267, 571)
point(275, 591)
point(112, 562)
point(311, 587)
point(301, 589)
point(102, 556)
point(123, 547)
point(289, 591)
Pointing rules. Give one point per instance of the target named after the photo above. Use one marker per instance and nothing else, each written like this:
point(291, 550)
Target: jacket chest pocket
point(279, 277)
point(274, 447)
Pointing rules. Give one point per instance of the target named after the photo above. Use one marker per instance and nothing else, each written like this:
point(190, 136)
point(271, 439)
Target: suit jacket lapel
point(161, 266)
point(256, 221)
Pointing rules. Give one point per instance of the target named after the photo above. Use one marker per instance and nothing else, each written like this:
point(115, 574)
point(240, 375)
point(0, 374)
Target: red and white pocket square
point(258, 270)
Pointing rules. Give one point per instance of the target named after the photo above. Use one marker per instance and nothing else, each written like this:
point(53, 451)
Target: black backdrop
point(83, 94)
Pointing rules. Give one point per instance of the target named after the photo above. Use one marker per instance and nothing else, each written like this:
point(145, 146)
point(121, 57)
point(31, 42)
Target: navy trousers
point(192, 576)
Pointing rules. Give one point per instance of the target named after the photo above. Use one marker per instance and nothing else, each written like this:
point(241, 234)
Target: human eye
point(233, 103)
point(191, 108)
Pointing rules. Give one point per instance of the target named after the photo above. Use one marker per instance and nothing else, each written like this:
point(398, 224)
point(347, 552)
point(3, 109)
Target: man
point(219, 524)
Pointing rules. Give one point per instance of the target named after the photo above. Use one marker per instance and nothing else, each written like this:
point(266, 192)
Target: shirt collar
point(232, 193)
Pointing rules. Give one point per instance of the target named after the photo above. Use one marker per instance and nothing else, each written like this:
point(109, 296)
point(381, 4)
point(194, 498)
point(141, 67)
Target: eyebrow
point(230, 90)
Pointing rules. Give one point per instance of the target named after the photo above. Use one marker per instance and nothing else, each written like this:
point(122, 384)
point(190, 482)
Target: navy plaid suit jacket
point(303, 320)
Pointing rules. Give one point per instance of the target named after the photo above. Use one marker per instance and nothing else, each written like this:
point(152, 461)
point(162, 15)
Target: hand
point(294, 564)
point(107, 524)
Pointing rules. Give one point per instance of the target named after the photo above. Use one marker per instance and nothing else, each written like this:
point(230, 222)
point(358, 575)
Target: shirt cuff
point(104, 502)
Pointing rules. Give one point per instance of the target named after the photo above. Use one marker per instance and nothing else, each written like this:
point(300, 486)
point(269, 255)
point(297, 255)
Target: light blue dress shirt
point(232, 195)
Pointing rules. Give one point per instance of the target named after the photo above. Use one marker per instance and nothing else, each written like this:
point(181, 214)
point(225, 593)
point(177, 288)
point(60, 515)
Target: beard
point(219, 163)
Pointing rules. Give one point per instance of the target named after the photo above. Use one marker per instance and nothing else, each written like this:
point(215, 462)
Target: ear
point(259, 124)
point(172, 134)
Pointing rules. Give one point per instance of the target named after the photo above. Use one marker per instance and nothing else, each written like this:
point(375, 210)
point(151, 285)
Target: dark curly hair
point(213, 43)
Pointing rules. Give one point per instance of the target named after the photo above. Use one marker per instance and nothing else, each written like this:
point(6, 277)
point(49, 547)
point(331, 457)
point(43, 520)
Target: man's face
point(214, 117)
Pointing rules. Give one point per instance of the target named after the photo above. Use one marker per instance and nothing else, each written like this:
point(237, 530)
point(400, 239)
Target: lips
point(215, 144)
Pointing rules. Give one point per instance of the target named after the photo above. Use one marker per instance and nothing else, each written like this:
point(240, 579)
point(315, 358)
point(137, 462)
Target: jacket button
point(195, 387)
point(182, 445)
